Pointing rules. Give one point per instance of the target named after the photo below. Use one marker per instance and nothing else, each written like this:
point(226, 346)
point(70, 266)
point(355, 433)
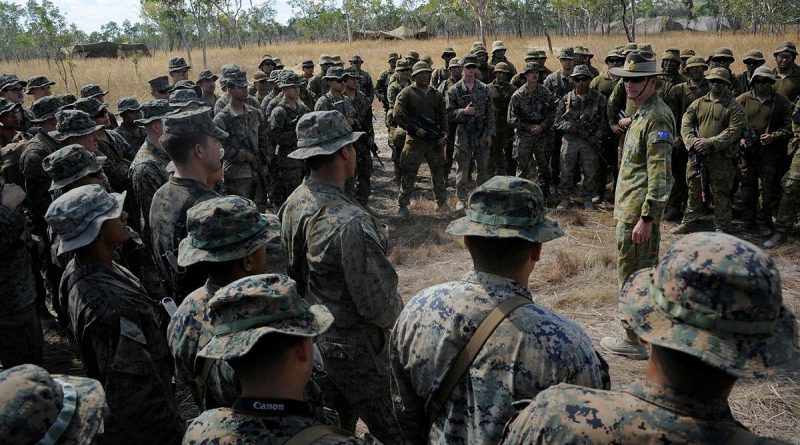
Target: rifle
point(373, 147)
point(431, 128)
point(698, 161)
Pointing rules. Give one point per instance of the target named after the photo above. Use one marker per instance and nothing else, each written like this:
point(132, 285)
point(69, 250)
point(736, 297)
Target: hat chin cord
point(60, 426)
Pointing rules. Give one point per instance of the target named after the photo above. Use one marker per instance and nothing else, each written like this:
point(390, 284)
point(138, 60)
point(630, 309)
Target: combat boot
point(672, 214)
point(628, 347)
point(684, 228)
point(777, 239)
point(403, 213)
point(563, 205)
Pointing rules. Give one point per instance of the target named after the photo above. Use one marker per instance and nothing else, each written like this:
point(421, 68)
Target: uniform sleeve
point(400, 112)
point(491, 122)
point(369, 89)
point(729, 136)
point(233, 153)
point(12, 228)
point(280, 132)
point(688, 123)
point(781, 122)
point(145, 182)
point(321, 104)
point(659, 169)
point(444, 123)
point(513, 113)
point(409, 408)
point(559, 121)
point(616, 103)
point(602, 125)
point(454, 113)
point(369, 276)
point(37, 184)
point(264, 144)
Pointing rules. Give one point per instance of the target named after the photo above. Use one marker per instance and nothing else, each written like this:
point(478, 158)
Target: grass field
point(577, 274)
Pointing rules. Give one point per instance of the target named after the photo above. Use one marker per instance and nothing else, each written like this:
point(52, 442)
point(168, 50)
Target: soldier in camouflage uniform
point(644, 181)
point(225, 99)
point(752, 60)
point(769, 128)
point(560, 83)
point(787, 72)
point(192, 141)
point(443, 72)
point(12, 141)
point(703, 338)
point(671, 75)
point(207, 81)
point(382, 84)
point(265, 331)
point(499, 56)
point(159, 87)
point(317, 84)
point(455, 69)
point(501, 159)
point(723, 58)
point(76, 127)
point(334, 98)
point(228, 236)
point(790, 199)
point(248, 151)
point(397, 135)
point(532, 55)
point(711, 127)
point(678, 98)
point(484, 71)
point(604, 84)
point(37, 407)
point(685, 55)
point(92, 91)
point(362, 122)
point(117, 328)
point(283, 135)
point(21, 338)
point(260, 86)
point(584, 57)
point(504, 233)
point(531, 114)
point(418, 106)
point(39, 87)
point(129, 110)
point(470, 106)
point(178, 69)
point(270, 101)
point(365, 80)
point(111, 145)
point(336, 251)
point(40, 146)
point(12, 88)
point(580, 117)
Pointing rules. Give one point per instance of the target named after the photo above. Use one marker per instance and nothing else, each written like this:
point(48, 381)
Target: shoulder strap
point(468, 353)
point(312, 433)
point(201, 380)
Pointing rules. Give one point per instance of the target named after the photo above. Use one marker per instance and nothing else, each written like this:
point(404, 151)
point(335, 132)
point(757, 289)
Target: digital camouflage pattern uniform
point(501, 159)
point(397, 135)
point(133, 134)
point(170, 204)
point(266, 304)
point(362, 182)
point(21, 338)
point(37, 182)
point(117, 328)
point(382, 84)
point(414, 101)
point(532, 152)
point(111, 145)
point(532, 349)
point(34, 407)
point(317, 85)
point(722, 121)
point(710, 297)
point(336, 251)
point(282, 133)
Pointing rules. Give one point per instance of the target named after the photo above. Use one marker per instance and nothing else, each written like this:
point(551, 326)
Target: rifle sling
point(467, 355)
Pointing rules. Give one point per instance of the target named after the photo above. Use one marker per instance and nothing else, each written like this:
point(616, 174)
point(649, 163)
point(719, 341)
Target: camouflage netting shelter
point(111, 50)
point(400, 33)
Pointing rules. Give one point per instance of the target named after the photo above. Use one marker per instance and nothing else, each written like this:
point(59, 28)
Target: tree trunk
point(482, 29)
point(633, 22)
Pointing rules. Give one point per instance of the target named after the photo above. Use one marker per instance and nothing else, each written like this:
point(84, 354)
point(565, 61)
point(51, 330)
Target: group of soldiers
point(152, 232)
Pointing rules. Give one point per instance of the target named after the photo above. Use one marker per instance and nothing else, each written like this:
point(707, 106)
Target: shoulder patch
point(663, 136)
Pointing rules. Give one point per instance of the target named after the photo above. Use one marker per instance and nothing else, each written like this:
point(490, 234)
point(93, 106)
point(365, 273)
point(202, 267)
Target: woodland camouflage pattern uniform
point(361, 183)
point(397, 135)
point(790, 200)
point(541, 347)
point(282, 124)
point(445, 85)
point(382, 84)
point(317, 85)
point(32, 402)
point(219, 230)
point(336, 251)
point(733, 320)
point(268, 304)
point(117, 328)
point(721, 121)
point(471, 131)
point(501, 160)
point(532, 152)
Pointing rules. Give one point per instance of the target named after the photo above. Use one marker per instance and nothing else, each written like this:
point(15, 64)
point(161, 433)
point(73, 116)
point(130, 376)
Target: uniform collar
point(492, 281)
point(681, 402)
point(646, 106)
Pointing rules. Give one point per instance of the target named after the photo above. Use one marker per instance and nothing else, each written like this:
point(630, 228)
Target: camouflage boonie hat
point(38, 82)
point(448, 52)
point(754, 55)
point(278, 64)
point(183, 98)
point(207, 75)
point(498, 45)
point(225, 228)
point(696, 61)
point(45, 108)
point(67, 100)
point(9, 80)
point(68, 164)
point(786, 46)
point(502, 67)
point(392, 56)
point(402, 65)
point(276, 75)
point(566, 53)
point(352, 73)
point(73, 123)
point(154, 110)
point(226, 71)
point(763, 72)
point(637, 64)
point(78, 215)
point(480, 50)
point(469, 59)
point(266, 58)
point(193, 121)
point(356, 59)
point(177, 64)
point(290, 79)
point(237, 80)
point(334, 73)
point(718, 298)
point(337, 60)
point(246, 310)
point(532, 66)
point(531, 53)
point(581, 71)
point(128, 104)
point(718, 74)
point(322, 133)
point(325, 59)
point(614, 54)
point(420, 67)
point(40, 408)
point(507, 207)
point(91, 106)
point(7, 106)
point(454, 62)
point(160, 83)
point(629, 47)
point(579, 50)
point(686, 53)
point(307, 63)
point(186, 85)
point(92, 90)
point(412, 55)
point(724, 53)
point(670, 55)
point(260, 76)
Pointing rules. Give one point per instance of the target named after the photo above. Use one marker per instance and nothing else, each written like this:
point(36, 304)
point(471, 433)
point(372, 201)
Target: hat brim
point(754, 59)
point(770, 78)
point(543, 232)
point(213, 78)
point(61, 137)
point(119, 112)
point(145, 121)
point(30, 87)
point(90, 409)
point(188, 254)
point(93, 229)
point(326, 148)
point(621, 72)
point(47, 116)
point(784, 50)
point(737, 354)
point(98, 165)
point(101, 93)
point(695, 65)
point(238, 344)
point(185, 67)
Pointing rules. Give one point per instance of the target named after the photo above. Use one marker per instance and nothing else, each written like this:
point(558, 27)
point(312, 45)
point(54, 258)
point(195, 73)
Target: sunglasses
point(14, 90)
point(634, 79)
point(783, 56)
point(338, 80)
point(471, 67)
point(716, 81)
point(761, 81)
point(582, 79)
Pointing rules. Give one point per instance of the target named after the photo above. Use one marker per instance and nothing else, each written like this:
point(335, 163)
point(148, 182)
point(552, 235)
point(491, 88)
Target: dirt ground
point(576, 277)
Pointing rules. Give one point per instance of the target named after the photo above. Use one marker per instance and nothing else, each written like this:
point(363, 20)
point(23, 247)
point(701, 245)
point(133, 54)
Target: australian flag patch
point(663, 136)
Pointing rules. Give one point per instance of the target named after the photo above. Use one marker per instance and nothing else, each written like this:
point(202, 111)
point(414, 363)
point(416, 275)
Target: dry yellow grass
point(122, 79)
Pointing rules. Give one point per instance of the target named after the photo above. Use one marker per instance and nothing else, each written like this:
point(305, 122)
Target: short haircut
point(268, 353)
point(499, 253)
point(319, 161)
point(178, 145)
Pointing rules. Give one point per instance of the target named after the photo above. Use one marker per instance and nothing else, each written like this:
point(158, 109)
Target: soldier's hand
point(350, 121)
point(470, 110)
point(642, 231)
point(703, 145)
point(625, 122)
point(489, 141)
point(677, 142)
point(537, 129)
point(767, 139)
point(249, 157)
point(13, 195)
point(421, 133)
point(616, 129)
point(742, 143)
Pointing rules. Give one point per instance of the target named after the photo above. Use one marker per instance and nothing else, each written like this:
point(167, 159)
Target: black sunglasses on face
point(634, 79)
